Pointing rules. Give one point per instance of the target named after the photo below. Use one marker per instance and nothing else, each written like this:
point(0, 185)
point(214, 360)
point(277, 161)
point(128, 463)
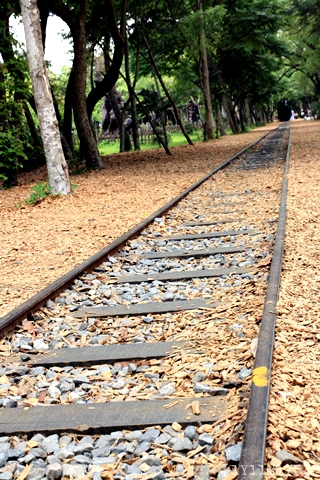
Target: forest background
point(208, 67)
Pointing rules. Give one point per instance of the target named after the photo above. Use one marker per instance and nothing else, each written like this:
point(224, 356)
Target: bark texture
point(220, 121)
point(77, 92)
point(67, 114)
point(56, 163)
point(88, 146)
point(132, 100)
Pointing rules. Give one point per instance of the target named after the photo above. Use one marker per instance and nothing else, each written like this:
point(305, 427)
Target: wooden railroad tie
point(106, 417)
point(181, 275)
point(103, 354)
point(195, 236)
point(204, 252)
point(212, 222)
point(144, 308)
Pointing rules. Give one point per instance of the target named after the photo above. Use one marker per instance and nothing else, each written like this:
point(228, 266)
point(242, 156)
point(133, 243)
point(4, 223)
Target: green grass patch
point(176, 139)
point(39, 193)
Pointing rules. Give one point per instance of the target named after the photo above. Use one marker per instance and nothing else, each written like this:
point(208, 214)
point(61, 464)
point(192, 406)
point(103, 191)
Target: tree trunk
point(254, 114)
point(166, 91)
point(220, 121)
point(67, 115)
point(146, 113)
point(242, 116)
point(204, 74)
point(3, 100)
point(56, 164)
point(88, 147)
point(231, 118)
point(248, 113)
point(263, 117)
point(163, 115)
point(112, 75)
point(135, 126)
point(132, 100)
point(125, 143)
point(44, 15)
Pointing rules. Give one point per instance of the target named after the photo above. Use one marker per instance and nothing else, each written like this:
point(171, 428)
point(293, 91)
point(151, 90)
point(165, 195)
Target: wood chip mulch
point(294, 420)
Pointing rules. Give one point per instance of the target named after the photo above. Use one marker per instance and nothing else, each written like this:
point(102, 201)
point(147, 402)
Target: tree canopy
point(150, 61)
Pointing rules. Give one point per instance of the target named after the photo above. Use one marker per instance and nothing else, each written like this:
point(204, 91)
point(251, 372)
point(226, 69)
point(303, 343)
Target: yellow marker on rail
point(260, 376)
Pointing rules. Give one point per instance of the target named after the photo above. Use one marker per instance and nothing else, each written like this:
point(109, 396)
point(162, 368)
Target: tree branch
point(112, 75)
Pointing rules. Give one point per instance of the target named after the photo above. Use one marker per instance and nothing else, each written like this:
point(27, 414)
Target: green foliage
point(11, 153)
point(211, 21)
point(188, 127)
point(302, 78)
point(150, 102)
point(14, 87)
point(316, 108)
point(39, 192)
point(59, 84)
point(258, 52)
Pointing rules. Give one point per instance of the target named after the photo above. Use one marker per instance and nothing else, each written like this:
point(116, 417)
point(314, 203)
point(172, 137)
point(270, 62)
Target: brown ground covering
point(295, 397)
point(42, 242)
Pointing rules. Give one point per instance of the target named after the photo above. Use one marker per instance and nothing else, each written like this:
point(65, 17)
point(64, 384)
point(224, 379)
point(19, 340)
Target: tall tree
point(75, 17)
point(304, 42)
point(169, 96)
point(117, 31)
point(204, 75)
point(56, 163)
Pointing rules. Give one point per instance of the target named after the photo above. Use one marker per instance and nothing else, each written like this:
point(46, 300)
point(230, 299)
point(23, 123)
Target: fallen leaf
point(266, 261)
point(29, 327)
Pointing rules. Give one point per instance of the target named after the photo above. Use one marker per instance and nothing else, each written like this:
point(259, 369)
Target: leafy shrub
point(40, 192)
point(188, 127)
point(11, 153)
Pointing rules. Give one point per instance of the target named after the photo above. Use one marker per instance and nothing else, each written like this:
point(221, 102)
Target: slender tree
point(131, 99)
point(169, 96)
point(204, 76)
point(118, 36)
point(56, 163)
point(76, 18)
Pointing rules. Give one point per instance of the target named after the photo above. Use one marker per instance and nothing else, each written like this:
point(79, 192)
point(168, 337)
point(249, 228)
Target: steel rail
point(11, 319)
point(251, 466)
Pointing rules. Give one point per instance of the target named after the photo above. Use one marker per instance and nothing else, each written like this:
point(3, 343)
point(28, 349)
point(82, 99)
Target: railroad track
point(170, 318)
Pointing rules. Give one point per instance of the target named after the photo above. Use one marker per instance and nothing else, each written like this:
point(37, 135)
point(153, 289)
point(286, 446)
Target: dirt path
point(40, 243)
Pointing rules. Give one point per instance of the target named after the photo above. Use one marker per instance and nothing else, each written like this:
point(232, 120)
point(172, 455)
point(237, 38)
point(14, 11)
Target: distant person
point(292, 115)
